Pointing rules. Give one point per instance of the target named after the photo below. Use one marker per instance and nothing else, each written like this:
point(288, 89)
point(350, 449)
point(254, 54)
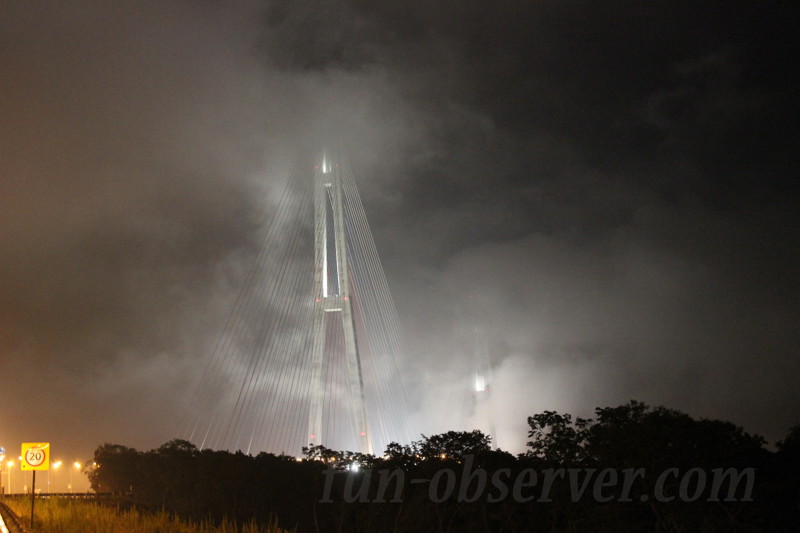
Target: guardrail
point(9, 521)
point(68, 495)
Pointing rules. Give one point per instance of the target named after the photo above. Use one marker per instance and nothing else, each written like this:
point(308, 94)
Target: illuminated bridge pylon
point(311, 352)
point(332, 295)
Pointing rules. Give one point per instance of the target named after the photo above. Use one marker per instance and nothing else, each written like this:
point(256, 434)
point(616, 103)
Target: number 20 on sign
point(35, 456)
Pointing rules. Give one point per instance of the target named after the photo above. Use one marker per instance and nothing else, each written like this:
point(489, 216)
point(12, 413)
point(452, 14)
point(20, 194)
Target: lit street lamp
point(8, 469)
point(77, 466)
point(55, 467)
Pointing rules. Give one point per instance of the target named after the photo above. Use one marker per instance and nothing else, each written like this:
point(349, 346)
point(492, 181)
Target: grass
point(64, 515)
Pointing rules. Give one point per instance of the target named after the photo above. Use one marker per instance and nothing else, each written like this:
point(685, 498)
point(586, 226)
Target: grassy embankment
point(62, 515)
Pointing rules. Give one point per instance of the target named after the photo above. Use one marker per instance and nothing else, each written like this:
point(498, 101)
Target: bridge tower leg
point(332, 295)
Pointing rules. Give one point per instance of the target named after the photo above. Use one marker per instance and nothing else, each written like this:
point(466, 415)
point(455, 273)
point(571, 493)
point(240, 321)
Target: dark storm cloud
point(606, 189)
point(628, 83)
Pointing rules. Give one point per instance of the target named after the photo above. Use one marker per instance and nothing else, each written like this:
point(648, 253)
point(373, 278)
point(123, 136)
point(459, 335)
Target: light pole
point(9, 465)
point(55, 467)
point(77, 466)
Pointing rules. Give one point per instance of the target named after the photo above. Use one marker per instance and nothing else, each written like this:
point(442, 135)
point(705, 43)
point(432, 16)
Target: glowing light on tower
point(480, 383)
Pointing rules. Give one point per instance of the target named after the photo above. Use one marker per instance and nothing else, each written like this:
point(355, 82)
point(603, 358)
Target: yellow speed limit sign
point(35, 456)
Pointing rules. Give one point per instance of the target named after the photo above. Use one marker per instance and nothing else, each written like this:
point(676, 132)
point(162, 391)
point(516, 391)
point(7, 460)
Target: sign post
point(35, 456)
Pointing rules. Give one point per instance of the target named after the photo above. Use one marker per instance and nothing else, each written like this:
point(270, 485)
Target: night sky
point(605, 190)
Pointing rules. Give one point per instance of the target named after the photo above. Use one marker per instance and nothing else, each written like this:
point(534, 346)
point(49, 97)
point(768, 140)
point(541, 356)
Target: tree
point(557, 439)
point(452, 445)
point(791, 444)
point(115, 468)
point(178, 447)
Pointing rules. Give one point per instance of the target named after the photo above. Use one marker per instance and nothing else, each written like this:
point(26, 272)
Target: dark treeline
point(630, 468)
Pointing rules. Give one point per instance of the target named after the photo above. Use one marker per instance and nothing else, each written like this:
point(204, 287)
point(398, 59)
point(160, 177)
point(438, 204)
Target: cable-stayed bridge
point(311, 351)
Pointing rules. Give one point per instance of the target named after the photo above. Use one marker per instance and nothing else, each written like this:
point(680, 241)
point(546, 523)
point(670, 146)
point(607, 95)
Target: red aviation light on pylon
point(363, 434)
point(311, 436)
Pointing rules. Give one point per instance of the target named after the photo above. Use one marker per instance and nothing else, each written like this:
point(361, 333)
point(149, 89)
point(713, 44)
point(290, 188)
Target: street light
point(55, 467)
point(24, 477)
point(8, 469)
point(77, 466)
